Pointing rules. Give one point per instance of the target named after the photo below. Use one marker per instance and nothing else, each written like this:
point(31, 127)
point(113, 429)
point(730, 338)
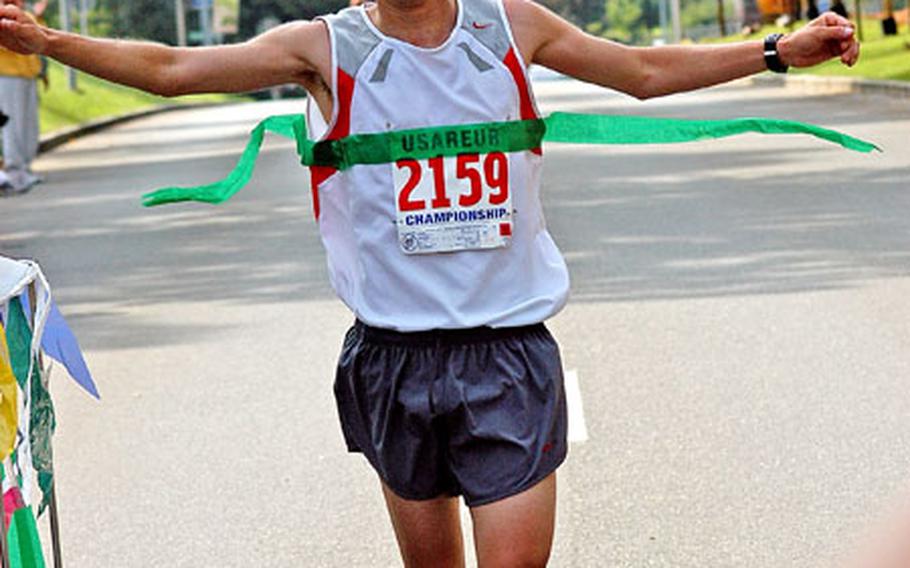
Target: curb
point(57, 138)
point(815, 84)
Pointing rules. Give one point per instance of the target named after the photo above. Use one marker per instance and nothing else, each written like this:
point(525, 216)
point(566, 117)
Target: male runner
point(448, 382)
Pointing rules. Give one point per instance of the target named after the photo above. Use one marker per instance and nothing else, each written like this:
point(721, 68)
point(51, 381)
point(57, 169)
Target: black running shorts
point(475, 412)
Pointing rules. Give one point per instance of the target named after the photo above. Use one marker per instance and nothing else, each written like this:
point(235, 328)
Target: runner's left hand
point(825, 37)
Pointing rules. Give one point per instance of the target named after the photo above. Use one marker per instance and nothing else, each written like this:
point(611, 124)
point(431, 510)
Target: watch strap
point(772, 57)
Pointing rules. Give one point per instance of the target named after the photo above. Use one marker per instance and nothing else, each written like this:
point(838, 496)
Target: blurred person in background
point(837, 6)
point(19, 100)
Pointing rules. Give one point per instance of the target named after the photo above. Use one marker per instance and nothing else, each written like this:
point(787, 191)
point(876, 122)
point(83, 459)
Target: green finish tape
point(512, 136)
point(289, 126)
point(603, 129)
point(422, 143)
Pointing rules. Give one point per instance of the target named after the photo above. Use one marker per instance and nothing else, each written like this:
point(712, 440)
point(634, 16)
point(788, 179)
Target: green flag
point(22, 539)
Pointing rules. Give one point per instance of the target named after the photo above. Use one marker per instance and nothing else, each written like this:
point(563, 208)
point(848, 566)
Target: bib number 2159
point(451, 204)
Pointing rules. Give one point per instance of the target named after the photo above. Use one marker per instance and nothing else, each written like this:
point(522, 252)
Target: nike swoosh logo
point(480, 26)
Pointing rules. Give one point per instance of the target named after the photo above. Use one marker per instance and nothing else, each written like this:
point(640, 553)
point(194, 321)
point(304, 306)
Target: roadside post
point(67, 27)
point(52, 506)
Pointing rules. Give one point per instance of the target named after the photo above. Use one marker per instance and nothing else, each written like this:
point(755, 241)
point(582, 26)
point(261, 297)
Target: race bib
point(452, 204)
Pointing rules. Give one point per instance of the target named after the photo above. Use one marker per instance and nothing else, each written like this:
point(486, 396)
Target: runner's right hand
point(19, 32)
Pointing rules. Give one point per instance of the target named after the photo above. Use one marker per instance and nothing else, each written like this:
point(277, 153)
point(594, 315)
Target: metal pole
point(858, 14)
point(55, 527)
point(52, 506)
point(205, 18)
point(739, 13)
point(180, 14)
point(83, 17)
point(65, 24)
point(677, 23)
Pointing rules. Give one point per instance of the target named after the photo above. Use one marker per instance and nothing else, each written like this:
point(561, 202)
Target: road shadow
point(100, 247)
point(668, 225)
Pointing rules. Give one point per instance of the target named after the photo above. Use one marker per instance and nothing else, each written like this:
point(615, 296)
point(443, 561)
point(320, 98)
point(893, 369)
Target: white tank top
point(442, 243)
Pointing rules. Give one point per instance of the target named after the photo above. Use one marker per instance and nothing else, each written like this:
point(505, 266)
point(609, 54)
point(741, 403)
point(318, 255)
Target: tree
point(581, 12)
point(141, 19)
point(721, 19)
point(252, 12)
point(623, 21)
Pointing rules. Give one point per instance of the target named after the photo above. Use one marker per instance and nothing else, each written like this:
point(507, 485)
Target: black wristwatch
point(772, 57)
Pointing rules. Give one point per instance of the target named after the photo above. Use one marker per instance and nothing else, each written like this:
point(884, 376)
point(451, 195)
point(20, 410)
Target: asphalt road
point(739, 329)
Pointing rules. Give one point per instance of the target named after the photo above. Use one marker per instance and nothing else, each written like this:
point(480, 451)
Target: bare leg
point(428, 532)
point(889, 545)
point(517, 531)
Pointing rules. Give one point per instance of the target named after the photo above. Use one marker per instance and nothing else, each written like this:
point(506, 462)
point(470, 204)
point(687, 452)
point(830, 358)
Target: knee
point(529, 557)
point(447, 555)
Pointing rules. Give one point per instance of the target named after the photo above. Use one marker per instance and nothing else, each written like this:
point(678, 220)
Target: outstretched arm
point(291, 53)
point(645, 72)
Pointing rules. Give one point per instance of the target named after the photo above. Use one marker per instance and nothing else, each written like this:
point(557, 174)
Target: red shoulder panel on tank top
point(342, 128)
point(524, 91)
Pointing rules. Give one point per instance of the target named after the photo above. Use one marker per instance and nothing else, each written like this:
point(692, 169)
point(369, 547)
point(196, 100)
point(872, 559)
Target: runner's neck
point(423, 23)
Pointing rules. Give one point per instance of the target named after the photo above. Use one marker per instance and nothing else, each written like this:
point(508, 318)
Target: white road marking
point(578, 432)
point(467, 529)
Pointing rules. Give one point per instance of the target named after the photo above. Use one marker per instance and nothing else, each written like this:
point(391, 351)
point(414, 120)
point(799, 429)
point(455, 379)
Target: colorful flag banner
point(512, 136)
point(12, 502)
point(21, 458)
point(23, 541)
point(42, 423)
point(59, 342)
point(9, 409)
point(37, 402)
point(18, 339)
point(15, 277)
point(27, 419)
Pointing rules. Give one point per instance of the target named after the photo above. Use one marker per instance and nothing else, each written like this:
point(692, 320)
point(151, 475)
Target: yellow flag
point(9, 411)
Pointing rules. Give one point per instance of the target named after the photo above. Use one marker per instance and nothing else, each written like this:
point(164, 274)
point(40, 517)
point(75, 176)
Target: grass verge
point(95, 98)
